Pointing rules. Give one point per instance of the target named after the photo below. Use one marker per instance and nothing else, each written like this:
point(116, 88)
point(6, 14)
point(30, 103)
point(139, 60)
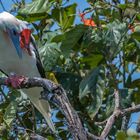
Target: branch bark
point(57, 95)
point(117, 113)
point(111, 119)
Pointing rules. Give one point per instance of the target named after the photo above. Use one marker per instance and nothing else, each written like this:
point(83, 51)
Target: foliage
point(89, 61)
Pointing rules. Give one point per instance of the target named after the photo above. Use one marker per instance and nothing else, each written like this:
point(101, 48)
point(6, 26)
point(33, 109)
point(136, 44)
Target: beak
point(25, 37)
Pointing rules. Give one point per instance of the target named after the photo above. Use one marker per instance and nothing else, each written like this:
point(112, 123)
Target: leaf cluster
point(89, 62)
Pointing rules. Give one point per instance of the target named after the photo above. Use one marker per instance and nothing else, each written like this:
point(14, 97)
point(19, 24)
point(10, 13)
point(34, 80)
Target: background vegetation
point(90, 60)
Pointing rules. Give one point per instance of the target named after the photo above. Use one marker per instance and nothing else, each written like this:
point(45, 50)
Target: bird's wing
point(38, 61)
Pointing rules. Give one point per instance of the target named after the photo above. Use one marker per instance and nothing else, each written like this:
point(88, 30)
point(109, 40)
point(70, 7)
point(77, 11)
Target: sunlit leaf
point(10, 113)
point(136, 35)
point(65, 16)
point(121, 135)
point(35, 10)
point(49, 53)
point(122, 6)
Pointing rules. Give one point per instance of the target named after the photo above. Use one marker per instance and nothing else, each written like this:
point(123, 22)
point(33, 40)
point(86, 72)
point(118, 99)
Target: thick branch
point(111, 119)
point(58, 96)
point(117, 112)
point(131, 109)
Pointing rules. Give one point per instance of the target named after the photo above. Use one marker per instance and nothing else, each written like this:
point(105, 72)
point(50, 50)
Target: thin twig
point(101, 123)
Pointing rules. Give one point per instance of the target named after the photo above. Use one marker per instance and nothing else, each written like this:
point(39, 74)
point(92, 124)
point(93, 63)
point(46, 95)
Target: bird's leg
point(15, 80)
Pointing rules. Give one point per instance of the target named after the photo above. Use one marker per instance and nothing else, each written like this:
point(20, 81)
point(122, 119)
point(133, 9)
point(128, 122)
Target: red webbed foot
point(15, 80)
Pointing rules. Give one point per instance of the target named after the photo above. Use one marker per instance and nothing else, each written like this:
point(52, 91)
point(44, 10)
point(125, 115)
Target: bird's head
point(17, 30)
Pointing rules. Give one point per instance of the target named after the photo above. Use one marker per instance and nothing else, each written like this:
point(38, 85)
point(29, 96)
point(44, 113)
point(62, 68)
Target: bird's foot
point(15, 80)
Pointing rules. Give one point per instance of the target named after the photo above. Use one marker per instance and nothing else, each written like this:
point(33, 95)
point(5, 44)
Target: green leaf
point(71, 38)
point(126, 97)
point(130, 135)
point(92, 60)
point(92, 39)
point(49, 36)
point(36, 10)
point(50, 138)
point(130, 12)
point(137, 27)
point(65, 16)
point(49, 53)
point(93, 87)
point(122, 6)
point(108, 42)
point(110, 104)
point(69, 81)
point(58, 38)
point(121, 135)
point(138, 16)
point(114, 37)
point(10, 113)
point(136, 35)
point(136, 85)
point(136, 97)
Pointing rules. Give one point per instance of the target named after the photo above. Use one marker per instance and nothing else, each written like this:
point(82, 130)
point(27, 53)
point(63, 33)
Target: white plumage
point(10, 61)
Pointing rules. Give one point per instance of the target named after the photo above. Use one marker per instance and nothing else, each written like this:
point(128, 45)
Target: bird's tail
point(42, 105)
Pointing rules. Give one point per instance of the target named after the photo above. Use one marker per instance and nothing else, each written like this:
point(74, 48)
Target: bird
point(19, 56)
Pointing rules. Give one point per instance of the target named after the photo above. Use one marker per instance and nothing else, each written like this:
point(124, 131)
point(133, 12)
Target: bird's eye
point(14, 32)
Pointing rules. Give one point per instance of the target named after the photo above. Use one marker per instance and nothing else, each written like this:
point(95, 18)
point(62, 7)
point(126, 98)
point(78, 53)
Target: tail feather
point(42, 105)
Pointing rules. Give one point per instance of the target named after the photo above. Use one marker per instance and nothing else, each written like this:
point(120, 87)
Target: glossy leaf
point(10, 113)
point(135, 85)
point(69, 81)
point(136, 35)
point(49, 53)
point(92, 60)
point(114, 37)
point(71, 38)
point(107, 42)
point(121, 135)
point(65, 16)
point(110, 104)
point(93, 86)
point(35, 10)
point(126, 97)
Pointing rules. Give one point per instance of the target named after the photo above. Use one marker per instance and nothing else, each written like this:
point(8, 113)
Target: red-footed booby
point(19, 55)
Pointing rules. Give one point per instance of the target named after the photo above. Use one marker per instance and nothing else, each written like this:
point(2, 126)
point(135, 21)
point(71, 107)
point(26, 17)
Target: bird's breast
point(10, 61)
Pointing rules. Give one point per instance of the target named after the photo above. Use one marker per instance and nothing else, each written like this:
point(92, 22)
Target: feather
point(23, 63)
point(15, 39)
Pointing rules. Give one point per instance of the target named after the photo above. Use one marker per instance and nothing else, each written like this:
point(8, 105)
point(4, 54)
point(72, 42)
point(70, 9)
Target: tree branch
point(111, 119)
point(131, 109)
point(117, 112)
point(57, 95)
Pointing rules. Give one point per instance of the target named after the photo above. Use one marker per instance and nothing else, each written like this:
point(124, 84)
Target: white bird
point(19, 55)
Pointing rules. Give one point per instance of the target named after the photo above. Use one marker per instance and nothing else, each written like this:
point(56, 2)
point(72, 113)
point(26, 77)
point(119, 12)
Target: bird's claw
point(15, 80)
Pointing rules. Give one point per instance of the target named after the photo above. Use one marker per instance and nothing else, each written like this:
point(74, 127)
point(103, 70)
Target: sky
point(82, 4)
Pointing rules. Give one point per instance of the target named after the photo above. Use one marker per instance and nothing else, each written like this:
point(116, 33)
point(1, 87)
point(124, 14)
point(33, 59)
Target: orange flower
point(88, 22)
